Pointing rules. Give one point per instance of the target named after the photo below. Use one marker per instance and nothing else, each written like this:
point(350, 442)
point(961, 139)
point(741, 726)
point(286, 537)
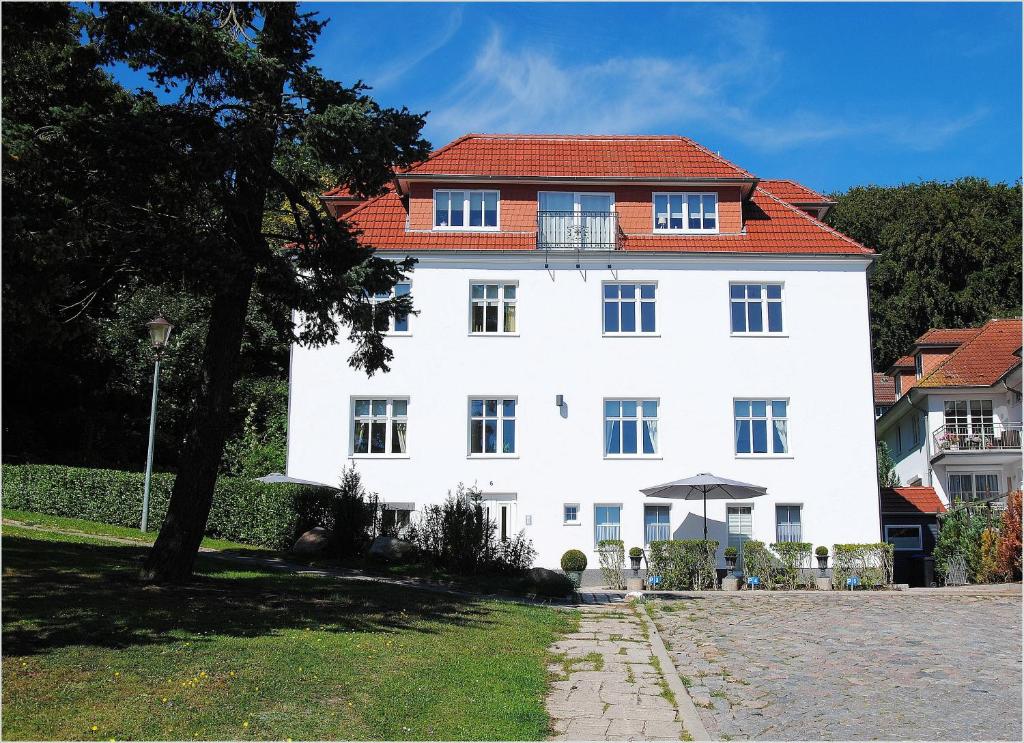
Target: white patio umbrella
point(704, 486)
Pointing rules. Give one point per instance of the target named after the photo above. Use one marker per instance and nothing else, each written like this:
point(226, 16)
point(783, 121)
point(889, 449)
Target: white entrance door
point(503, 514)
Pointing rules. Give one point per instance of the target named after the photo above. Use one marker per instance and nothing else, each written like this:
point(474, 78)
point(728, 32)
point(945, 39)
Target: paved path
point(609, 686)
point(829, 666)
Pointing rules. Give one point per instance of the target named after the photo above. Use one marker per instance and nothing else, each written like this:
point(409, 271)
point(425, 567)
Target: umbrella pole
point(705, 513)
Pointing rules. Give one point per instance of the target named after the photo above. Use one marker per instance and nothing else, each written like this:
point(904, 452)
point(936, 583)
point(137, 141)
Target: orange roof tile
point(793, 192)
point(903, 362)
point(911, 499)
point(946, 336)
point(884, 388)
point(982, 360)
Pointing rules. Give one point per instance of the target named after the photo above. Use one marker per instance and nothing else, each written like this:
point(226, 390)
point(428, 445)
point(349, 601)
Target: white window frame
point(500, 419)
point(636, 310)
point(800, 508)
point(375, 300)
point(770, 418)
point(596, 525)
point(668, 507)
point(576, 521)
point(501, 302)
point(466, 200)
point(918, 364)
point(974, 475)
point(764, 309)
point(686, 229)
point(640, 418)
point(920, 537)
point(389, 418)
point(576, 198)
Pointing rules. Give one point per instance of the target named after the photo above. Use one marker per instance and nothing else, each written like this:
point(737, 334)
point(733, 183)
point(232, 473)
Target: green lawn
point(91, 654)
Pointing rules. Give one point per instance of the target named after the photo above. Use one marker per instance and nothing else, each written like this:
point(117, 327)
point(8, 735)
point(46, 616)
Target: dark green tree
point(949, 256)
point(887, 477)
point(250, 125)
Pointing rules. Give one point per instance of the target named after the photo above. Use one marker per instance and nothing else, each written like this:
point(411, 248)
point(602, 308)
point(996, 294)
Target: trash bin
point(929, 571)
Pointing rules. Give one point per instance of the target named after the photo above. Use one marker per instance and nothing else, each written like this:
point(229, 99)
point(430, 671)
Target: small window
point(918, 365)
point(384, 321)
point(630, 427)
point(606, 523)
point(904, 536)
point(466, 210)
point(629, 309)
point(492, 426)
point(493, 308)
point(380, 426)
point(571, 513)
point(762, 426)
point(394, 521)
point(756, 308)
point(656, 524)
point(787, 524)
point(686, 212)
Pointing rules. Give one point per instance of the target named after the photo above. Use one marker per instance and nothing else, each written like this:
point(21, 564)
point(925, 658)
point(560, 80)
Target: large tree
point(949, 256)
point(244, 124)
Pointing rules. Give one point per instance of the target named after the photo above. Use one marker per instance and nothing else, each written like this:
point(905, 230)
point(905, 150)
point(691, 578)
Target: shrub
point(684, 564)
point(872, 563)
point(636, 552)
point(513, 555)
point(960, 533)
point(354, 516)
point(731, 553)
point(611, 553)
point(821, 551)
point(267, 515)
point(792, 557)
point(758, 561)
point(1009, 551)
point(574, 560)
point(988, 557)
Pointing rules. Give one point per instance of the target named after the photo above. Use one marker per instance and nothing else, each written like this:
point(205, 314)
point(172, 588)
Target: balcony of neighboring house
point(578, 230)
point(972, 442)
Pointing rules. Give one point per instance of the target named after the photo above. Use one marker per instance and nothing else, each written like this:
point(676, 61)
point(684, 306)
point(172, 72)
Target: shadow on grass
point(59, 594)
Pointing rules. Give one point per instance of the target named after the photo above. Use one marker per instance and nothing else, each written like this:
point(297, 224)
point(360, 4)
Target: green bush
point(960, 533)
point(821, 551)
point(731, 552)
point(242, 511)
point(684, 564)
point(636, 552)
point(793, 556)
point(872, 563)
point(574, 560)
point(759, 561)
point(612, 555)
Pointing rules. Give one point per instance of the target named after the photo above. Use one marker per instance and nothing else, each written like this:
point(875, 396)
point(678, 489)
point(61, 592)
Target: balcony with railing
point(578, 230)
point(976, 437)
point(657, 533)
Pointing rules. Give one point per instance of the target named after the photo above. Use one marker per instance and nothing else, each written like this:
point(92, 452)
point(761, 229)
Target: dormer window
point(919, 365)
point(465, 210)
point(686, 212)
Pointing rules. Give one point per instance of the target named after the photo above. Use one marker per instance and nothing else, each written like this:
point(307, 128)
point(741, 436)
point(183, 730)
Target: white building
point(687, 316)
point(956, 422)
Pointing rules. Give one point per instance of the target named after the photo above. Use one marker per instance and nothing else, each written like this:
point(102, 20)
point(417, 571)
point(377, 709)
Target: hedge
point(872, 563)
point(684, 564)
point(243, 510)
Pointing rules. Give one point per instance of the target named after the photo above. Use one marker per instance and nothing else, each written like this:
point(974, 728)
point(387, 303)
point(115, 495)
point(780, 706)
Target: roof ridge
point(814, 221)
point(511, 135)
point(715, 155)
point(435, 153)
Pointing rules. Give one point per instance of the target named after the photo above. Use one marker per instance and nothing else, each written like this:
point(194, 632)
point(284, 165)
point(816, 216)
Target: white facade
point(693, 366)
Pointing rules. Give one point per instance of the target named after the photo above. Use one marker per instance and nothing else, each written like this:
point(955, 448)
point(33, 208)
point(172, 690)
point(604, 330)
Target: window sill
point(764, 456)
point(630, 335)
point(572, 523)
point(471, 334)
point(613, 457)
point(759, 335)
point(907, 549)
point(664, 231)
point(378, 456)
point(397, 335)
point(465, 229)
point(492, 456)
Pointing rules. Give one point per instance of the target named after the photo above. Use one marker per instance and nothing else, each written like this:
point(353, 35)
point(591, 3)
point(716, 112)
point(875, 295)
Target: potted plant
point(822, 554)
point(574, 563)
point(635, 553)
point(730, 558)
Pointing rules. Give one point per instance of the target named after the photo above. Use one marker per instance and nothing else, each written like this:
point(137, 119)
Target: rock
point(313, 542)
point(553, 583)
point(390, 548)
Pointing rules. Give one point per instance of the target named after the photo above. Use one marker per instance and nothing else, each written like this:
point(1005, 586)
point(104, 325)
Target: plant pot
point(575, 577)
point(822, 563)
point(730, 563)
point(634, 563)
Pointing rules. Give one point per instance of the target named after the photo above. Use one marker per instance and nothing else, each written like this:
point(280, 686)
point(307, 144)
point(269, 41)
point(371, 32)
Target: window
point(656, 524)
point(492, 308)
point(380, 426)
point(971, 486)
point(756, 308)
point(739, 524)
point(384, 321)
point(968, 417)
point(568, 219)
point(904, 536)
point(629, 308)
point(606, 523)
point(571, 513)
point(686, 212)
point(630, 427)
point(466, 210)
point(918, 365)
point(492, 426)
point(762, 426)
point(787, 523)
point(394, 519)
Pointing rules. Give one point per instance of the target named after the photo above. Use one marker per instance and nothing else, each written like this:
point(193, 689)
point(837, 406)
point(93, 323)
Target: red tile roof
point(982, 360)
point(904, 362)
point(884, 388)
point(946, 336)
point(576, 156)
point(911, 499)
point(793, 192)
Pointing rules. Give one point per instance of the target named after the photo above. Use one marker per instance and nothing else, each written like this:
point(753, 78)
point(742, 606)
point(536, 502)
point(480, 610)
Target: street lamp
point(159, 331)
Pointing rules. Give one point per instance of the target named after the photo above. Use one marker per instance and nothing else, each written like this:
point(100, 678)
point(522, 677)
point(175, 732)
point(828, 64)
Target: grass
point(92, 654)
point(663, 682)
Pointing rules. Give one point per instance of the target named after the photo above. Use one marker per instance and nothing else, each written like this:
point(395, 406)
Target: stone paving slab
point(606, 687)
point(835, 666)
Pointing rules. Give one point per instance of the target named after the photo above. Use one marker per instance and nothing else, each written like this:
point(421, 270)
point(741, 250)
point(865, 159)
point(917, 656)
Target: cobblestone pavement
point(609, 687)
point(836, 666)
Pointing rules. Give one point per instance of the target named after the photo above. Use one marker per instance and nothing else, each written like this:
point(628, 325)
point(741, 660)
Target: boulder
point(552, 583)
point(313, 542)
point(390, 548)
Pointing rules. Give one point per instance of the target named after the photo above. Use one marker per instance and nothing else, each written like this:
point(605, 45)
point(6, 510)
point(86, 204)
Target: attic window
point(686, 212)
point(465, 210)
point(919, 365)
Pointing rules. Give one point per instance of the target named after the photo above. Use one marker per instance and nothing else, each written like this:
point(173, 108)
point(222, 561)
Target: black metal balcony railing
point(977, 437)
point(578, 230)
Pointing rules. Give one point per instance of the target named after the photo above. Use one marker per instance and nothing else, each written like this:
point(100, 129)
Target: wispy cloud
point(399, 67)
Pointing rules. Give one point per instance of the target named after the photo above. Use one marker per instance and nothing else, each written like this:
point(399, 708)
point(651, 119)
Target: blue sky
point(832, 95)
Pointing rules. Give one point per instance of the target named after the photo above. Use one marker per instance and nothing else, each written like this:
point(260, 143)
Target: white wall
point(693, 366)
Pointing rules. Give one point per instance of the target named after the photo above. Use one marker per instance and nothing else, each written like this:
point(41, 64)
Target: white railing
point(606, 531)
point(787, 532)
point(578, 230)
point(657, 533)
point(976, 437)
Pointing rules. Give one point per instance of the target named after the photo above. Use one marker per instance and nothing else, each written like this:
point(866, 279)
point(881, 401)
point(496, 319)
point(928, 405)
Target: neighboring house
point(910, 522)
point(597, 315)
point(884, 392)
point(956, 424)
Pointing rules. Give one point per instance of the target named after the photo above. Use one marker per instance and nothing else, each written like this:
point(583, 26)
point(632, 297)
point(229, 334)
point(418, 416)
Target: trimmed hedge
point(872, 563)
point(243, 510)
point(684, 564)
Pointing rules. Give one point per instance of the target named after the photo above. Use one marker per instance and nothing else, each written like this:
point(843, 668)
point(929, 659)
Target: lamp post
point(159, 332)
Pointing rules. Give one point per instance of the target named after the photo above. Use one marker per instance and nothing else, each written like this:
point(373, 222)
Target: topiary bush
point(731, 552)
point(793, 556)
point(636, 552)
point(612, 555)
point(821, 551)
point(872, 563)
point(683, 564)
point(574, 561)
